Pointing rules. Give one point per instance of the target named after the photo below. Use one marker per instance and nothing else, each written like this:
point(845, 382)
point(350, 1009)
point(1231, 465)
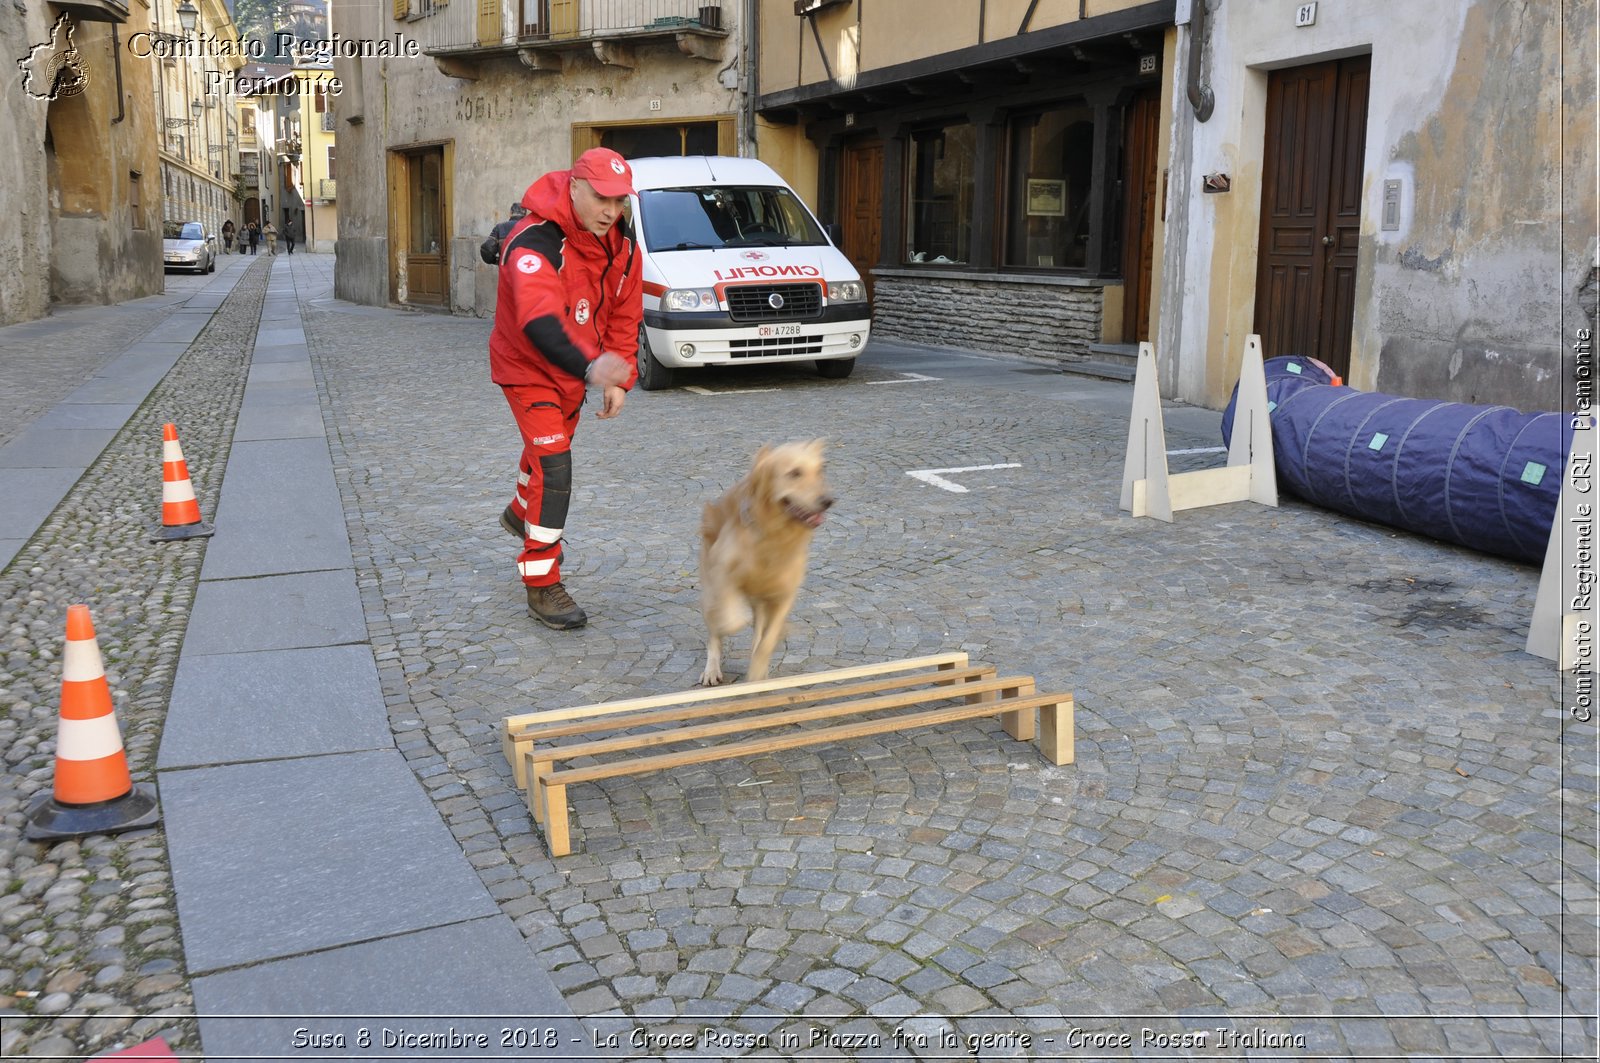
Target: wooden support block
point(1056, 738)
point(555, 820)
point(1208, 487)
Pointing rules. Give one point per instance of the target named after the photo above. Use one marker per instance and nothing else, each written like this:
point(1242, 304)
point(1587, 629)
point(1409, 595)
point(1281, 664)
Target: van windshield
point(687, 219)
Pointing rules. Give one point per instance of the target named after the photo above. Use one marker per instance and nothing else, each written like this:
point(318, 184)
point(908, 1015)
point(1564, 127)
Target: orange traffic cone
point(94, 794)
point(180, 511)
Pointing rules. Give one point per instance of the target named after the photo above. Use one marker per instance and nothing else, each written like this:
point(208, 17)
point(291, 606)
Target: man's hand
point(607, 371)
point(611, 400)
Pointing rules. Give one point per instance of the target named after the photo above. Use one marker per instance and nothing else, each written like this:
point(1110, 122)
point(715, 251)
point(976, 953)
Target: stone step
point(1103, 369)
point(1116, 353)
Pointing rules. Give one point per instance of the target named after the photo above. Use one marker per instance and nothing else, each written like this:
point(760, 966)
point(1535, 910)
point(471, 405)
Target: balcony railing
point(328, 122)
point(539, 30)
point(327, 188)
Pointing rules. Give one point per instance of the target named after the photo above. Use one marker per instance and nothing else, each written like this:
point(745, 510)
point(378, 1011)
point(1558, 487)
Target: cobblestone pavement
point(1322, 801)
point(91, 943)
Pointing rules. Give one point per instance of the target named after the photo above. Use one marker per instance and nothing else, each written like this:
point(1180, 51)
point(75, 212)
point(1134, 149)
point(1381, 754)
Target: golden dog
point(753, 546)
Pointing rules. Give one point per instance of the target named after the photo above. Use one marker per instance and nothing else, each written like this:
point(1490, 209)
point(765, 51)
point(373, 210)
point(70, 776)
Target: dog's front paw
point(711, 677)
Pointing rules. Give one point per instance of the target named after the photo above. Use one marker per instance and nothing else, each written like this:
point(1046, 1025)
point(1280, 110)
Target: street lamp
point(188, 14)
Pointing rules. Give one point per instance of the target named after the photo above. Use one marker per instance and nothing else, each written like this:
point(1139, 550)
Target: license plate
point(778, 330)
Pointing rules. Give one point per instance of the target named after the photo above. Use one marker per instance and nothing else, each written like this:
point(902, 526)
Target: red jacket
point(565, 295)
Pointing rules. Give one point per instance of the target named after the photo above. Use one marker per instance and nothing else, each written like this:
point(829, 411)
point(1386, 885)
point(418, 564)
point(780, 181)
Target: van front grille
point(774, 346)
point(753, 302)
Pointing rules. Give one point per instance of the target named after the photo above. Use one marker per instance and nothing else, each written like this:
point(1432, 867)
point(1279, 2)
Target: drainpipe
point(1200, 96)
point(116, 57)
point(751, 20)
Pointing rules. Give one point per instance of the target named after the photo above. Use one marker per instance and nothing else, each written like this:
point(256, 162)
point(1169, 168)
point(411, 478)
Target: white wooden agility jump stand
point(1149, 490)
point(1563, 602)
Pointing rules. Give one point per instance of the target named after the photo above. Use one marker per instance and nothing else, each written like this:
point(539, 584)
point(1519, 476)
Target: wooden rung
point(526, 740)
point(818, 736)
point(515, 724)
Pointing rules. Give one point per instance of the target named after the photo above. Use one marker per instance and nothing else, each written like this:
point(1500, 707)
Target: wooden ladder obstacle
point(1149, 490)
point(865, 700)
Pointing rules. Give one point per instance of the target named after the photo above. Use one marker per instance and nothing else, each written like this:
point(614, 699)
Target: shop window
point(1051, 169)
point(941, 170)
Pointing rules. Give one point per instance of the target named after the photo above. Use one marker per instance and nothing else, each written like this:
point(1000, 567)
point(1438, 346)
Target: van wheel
point(653, 376)
point(835, 368)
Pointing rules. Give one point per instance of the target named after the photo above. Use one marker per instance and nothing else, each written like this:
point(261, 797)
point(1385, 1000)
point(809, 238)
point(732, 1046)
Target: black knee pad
point(556, 469)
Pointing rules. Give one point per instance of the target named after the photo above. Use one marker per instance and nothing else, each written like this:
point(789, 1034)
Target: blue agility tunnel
point(1485, 477)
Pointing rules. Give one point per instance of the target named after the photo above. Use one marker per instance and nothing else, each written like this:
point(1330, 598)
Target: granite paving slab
point(87, 415)
point(275, 613)
point(280, 512)
point(278, 372)
point(31, 495)
point(286, 857)
point(477, 968)
point(232, 707)
point(55, 448)
point(279, 417)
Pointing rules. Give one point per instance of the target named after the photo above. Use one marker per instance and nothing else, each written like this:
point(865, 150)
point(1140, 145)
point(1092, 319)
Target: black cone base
point(165, 533)
point(50, 819)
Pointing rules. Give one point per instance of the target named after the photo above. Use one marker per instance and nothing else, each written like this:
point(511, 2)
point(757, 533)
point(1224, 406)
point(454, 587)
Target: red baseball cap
point(607, 172)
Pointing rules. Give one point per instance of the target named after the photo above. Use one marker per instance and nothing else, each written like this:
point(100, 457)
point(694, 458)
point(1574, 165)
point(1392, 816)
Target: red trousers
point(544, 480)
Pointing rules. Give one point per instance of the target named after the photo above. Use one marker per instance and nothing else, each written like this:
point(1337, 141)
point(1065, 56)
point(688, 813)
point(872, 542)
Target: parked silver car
point(185, 245)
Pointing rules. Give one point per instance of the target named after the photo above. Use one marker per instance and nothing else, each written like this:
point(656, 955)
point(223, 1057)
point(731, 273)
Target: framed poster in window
point(1047, 198)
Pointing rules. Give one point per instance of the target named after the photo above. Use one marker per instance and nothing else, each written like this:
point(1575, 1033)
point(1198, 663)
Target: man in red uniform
point(567, 319)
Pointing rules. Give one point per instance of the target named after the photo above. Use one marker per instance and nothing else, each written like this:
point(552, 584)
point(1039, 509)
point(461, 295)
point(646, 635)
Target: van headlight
point(847, 292)
point(689, 299)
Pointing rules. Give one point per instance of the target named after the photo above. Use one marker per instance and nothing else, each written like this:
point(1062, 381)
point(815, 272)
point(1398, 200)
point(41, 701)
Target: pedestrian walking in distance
point(566, 319)
point(269, 234)
point(253, 231)
point(290, 234)
point(489, 250)
point(227, 237)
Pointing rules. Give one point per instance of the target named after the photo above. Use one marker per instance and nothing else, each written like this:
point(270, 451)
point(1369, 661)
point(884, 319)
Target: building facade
point(992, 167)
point(437, 141)
point(1409, 198)
point(194, 51)
point(291, 175)
point(1393, 189)
point(78, 159)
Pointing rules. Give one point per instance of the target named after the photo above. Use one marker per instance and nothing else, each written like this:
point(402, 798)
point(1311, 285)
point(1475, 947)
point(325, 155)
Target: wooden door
point(1141, 181)
point(427, 257)
point(861, 207)
point(1311, 209)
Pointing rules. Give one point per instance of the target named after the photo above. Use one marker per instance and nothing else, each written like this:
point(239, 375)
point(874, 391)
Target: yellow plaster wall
point(787, 150)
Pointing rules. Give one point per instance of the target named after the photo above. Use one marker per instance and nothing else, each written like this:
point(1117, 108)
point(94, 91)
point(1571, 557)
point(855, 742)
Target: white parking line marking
point(698, 390)
point(908, 378)
point(1200, 450)
point(931, 476)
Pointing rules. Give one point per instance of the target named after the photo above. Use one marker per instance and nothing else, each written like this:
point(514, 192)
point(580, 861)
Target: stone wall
point(1044, 319)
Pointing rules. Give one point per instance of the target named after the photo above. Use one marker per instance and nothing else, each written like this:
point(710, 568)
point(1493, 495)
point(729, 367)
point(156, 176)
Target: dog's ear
point(761, 455)
point(818, 445)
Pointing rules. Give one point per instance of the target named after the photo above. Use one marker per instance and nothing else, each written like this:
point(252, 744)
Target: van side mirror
point(834, 235)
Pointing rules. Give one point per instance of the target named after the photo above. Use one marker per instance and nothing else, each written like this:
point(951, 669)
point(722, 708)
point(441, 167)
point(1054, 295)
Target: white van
point(738, 271)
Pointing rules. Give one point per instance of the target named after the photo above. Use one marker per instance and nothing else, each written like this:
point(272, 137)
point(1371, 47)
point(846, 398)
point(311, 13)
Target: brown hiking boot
point(509, 521)
point(553, 607)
